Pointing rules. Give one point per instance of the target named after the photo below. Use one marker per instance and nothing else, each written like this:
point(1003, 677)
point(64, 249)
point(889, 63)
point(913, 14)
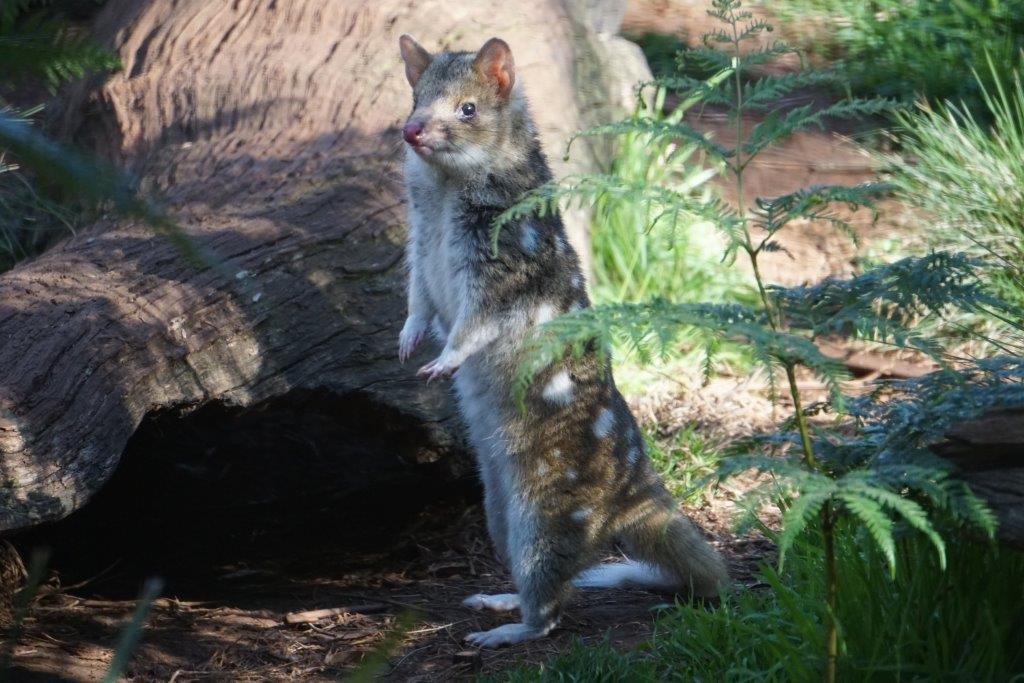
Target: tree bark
point(989, 453)
point(271, 130)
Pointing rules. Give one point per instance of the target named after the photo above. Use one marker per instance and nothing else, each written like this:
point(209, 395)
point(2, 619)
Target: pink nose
point(412, 131)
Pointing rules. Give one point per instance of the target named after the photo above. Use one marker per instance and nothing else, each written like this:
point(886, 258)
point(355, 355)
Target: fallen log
point(270, 129)
point(989, 453)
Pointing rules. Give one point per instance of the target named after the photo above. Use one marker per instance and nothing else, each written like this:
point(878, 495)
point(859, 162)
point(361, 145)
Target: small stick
point(312, 615)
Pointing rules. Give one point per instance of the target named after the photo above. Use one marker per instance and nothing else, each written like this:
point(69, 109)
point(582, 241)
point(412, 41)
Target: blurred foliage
point(39, 46)
point(966, 171)
point(908, 49)
point(638, 249)
point(25, 597)
point(37, 40)
point(662, 52)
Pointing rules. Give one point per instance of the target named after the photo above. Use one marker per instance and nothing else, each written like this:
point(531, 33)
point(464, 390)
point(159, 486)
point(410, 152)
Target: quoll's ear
point(416, 58)
point(494, 63)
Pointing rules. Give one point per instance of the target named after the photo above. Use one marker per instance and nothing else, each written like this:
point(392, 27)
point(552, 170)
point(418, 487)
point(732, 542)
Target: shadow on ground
point(245, 548)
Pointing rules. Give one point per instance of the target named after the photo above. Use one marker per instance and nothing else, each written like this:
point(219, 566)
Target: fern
point(35, 41)
point(876, 470)
point(658, 129)
point(779, 124)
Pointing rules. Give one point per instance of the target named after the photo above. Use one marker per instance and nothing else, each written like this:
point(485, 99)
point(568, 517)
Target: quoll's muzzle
point(412, 132)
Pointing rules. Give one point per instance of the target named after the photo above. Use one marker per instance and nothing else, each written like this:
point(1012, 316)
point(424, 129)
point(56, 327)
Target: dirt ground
point(244, 619)
point(233, 623)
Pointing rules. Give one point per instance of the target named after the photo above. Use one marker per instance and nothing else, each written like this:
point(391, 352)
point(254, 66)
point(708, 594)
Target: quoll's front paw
point(412, 334)
point(439, 367)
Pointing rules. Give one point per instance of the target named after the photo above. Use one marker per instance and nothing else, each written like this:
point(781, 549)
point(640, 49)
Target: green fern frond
point(40, 44)
point(886, 303)
point(800, 514)
point(766, 54)
point(767, 90)
point(907, 416)
point(663, 203)
point(704, 91)
point(788, 472)
point(966, 507)
point(657, 129)
point(812, 203)
point(777, 125)
point(11, 10)
point(660, 323)
point(753, 28)
point(858, 483)
point(703, 59)
point(874, 518)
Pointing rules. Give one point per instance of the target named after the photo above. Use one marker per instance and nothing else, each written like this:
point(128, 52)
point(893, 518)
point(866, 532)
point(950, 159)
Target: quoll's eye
point(468, 110)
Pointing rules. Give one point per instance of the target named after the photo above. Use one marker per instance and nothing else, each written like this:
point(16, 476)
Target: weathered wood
point(989, 452)
point(271, 130)
point(867, 363)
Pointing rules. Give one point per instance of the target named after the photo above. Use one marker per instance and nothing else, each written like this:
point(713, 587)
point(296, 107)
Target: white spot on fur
point(528, 237)
point(571, 474)
point(559, 389)
point(474, 342)
point(545, 312)
point(633, 455)
point(582, 514)
point(604, 423)
point(577, 281)
point(542, 469)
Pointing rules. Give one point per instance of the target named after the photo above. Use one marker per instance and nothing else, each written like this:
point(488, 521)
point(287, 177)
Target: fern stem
point(776, 321)
point(801, 420)
point(832, 629)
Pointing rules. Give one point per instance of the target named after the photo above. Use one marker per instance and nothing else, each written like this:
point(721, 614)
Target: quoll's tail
point(670, 555)
point(628, 573)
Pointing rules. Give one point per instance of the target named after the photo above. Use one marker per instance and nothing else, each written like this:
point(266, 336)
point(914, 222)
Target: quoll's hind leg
point(543, 564)
point(670, 544)
point(495, 506)
point(486, 438)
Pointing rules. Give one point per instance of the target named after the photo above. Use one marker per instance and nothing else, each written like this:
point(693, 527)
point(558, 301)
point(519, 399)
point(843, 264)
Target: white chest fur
point(435, 245)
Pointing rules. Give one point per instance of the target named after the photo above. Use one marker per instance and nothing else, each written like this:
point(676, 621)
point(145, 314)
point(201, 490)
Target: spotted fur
point(568, 476)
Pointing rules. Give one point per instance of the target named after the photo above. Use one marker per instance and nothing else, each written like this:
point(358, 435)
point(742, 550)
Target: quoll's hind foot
point(509, 634)
point(501, 602)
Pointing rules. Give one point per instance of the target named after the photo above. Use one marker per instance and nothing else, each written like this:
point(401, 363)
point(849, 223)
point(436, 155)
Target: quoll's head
point(463, 103)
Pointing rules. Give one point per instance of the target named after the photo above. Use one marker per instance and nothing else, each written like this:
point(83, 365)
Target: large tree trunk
point(271, 130)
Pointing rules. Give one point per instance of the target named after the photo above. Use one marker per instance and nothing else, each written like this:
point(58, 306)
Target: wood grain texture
point(271, 130)
point(989, 453)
